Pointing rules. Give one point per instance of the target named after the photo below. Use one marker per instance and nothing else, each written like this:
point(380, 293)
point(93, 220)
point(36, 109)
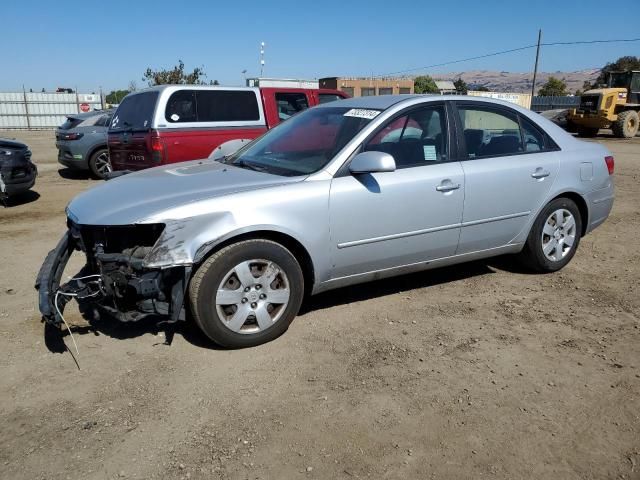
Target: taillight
point(610, 164)
point(157, 150)
point(71, 136)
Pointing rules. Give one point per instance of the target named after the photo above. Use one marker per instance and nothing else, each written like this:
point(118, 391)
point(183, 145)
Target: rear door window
point(135, 112)
point(290, 103)
point(103, 121)
point(490, 132)
point(534, 139)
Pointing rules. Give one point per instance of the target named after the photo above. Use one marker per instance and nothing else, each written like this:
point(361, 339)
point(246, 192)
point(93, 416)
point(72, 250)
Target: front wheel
point(555, 236)
point(247, 293)
point(626, 126)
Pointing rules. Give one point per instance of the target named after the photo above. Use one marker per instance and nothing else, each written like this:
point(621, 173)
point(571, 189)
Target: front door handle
point(540, 173)
point(447, 187)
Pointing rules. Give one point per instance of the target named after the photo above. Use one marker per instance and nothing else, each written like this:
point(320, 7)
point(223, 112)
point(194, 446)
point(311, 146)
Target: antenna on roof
point(261, 58)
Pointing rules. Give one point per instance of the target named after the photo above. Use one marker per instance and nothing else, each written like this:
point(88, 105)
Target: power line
point(503, 52)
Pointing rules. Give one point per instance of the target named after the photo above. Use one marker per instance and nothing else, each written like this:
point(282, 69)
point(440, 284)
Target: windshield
point(135, 112)
point(619, 80)
point(305, 143)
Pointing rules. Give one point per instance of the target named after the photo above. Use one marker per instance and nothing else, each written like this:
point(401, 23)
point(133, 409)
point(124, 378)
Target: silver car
point(340, 194)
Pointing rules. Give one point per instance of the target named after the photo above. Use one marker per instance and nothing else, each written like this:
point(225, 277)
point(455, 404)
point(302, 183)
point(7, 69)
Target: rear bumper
point(71, 157)
point(17, 179)
point(600, 205)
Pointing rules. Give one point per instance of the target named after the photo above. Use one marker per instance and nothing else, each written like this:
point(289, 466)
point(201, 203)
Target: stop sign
point(84, 107)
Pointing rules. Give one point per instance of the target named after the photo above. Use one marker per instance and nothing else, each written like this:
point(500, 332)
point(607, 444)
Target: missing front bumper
point(115, 283)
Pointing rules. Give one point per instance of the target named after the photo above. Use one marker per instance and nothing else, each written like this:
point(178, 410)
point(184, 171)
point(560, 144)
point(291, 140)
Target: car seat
point(473, 139)
point(501, 145)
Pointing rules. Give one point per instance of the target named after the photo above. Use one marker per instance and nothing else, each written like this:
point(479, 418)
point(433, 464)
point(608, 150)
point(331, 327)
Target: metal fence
point(34, 111)
point(541, 104)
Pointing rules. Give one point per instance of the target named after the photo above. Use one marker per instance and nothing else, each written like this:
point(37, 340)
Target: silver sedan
point(340, 194)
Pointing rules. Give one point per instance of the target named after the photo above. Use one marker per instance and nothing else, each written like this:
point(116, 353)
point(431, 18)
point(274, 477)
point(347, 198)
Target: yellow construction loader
point(615, 106)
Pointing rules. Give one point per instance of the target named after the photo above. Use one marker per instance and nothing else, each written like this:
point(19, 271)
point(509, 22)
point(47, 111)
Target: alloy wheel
point(252, 296)
point(558, 234)
point(102, 164)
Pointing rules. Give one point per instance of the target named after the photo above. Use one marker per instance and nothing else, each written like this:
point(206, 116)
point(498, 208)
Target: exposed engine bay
point(115, 278)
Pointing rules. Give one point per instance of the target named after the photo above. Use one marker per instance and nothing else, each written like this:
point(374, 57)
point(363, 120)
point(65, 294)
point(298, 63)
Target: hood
point(133, 197)
point(14, 144)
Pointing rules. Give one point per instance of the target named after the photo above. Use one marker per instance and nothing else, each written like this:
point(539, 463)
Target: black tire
point(205, 282)
point(626, 126)
point(533, 255)
point(587, 132)
point(96, 165)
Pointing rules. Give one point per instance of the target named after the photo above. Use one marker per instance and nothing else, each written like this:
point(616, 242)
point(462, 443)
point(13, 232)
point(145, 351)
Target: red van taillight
point(157, 150)
point(610, 164)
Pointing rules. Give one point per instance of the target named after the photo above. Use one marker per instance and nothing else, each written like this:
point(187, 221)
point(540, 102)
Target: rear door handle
point(447, 187)
point(540, 173)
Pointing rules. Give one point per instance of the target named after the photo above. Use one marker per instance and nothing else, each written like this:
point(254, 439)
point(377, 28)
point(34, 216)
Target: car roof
point(180, 86)
point(383, 102)
point(93, 113)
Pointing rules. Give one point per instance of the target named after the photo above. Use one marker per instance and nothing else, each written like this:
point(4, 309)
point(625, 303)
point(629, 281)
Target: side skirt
point(415, 267)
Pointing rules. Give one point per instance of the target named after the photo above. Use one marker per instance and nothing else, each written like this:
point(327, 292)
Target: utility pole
point(535, 68)
point(261, 58)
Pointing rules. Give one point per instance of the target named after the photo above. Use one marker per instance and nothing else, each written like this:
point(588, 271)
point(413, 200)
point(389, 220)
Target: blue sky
point(109, 43)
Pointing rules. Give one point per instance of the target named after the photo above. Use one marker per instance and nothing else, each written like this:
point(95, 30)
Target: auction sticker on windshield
point(362, 113)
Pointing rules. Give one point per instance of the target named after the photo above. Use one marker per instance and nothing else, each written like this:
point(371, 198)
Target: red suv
point(175, 123)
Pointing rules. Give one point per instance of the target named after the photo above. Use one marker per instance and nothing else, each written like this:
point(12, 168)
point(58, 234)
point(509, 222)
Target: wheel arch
point(581, 203)
point(94, 149)
point(289, 242)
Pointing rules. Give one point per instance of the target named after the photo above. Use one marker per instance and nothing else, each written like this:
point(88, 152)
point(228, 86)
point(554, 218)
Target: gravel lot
point(480, 370)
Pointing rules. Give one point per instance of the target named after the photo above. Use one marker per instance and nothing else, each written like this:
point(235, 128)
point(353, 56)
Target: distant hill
point(518, 82)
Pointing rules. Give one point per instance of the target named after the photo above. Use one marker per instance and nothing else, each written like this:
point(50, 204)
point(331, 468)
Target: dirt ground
point(480, 370)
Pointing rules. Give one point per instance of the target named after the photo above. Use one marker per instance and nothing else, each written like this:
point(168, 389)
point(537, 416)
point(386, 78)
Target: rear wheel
point(555, 236)
point(626, 126)
point(99, 163)
point(247, 293)
point(588, 132)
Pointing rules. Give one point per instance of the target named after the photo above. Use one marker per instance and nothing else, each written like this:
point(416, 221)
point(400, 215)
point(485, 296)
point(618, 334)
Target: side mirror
point(372, 162)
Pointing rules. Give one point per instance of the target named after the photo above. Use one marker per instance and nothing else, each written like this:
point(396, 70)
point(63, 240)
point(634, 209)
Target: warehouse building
point(363, 87)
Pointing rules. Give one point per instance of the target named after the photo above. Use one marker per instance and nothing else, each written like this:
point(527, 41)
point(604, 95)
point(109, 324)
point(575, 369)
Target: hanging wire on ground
point(78, 297)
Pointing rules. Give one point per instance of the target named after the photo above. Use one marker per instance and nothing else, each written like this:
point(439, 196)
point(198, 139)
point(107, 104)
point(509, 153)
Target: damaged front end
point(116, 278)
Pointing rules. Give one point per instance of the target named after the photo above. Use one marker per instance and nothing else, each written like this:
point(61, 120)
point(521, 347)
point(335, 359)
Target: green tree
point(586, 85)
point(461, 86)
point(116, 96)
point(175, 75)
point(554, 87)
point(622, 64)
point(425, 84)
point(481, 88)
